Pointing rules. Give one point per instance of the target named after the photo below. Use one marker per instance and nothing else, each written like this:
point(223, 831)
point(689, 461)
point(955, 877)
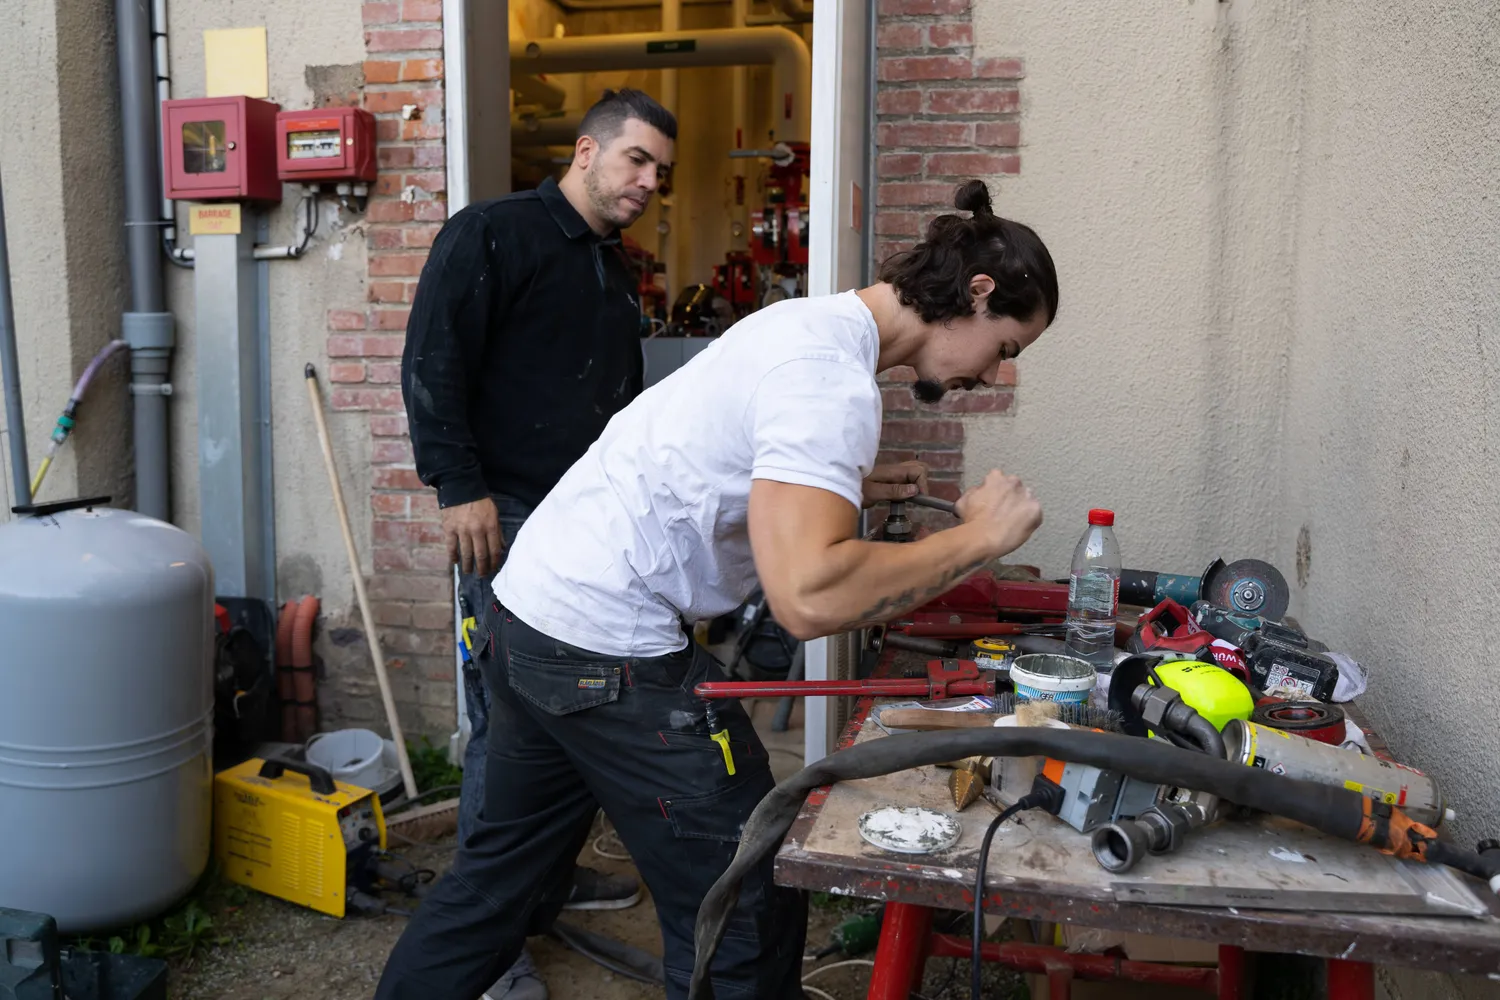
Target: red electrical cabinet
point(220, 149)
point(325, 144)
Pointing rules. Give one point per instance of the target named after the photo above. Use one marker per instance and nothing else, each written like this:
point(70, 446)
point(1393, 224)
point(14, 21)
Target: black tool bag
point(242, 695)
point(763, 645)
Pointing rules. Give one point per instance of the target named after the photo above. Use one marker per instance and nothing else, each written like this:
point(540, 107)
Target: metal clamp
point(151, 388)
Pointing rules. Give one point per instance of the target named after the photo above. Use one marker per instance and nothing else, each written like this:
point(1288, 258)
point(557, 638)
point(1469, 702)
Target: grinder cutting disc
point(1247, 586)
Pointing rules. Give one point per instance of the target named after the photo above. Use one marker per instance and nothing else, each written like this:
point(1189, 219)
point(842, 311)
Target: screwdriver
point(719, 734)
point(467, 625)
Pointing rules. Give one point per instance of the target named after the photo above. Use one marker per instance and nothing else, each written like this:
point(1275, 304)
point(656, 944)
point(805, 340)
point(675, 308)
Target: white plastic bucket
point(1052, 677)
point(352, 756)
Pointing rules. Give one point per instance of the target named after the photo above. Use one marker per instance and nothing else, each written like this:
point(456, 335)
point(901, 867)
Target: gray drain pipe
point(147, 327)
point(14, 418)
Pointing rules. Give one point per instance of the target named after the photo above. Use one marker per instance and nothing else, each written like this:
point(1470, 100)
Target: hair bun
point(973, 196)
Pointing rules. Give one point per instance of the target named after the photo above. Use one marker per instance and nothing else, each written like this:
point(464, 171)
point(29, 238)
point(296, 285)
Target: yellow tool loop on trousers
point(722, 738)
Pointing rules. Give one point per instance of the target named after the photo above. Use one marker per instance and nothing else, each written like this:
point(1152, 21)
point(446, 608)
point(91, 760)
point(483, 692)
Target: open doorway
point(767, 199)
point(732, 229)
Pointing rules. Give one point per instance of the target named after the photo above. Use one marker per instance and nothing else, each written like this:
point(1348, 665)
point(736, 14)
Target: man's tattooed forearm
point(888, 607)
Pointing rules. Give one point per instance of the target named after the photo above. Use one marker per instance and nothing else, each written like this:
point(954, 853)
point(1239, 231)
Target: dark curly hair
point(933, 277)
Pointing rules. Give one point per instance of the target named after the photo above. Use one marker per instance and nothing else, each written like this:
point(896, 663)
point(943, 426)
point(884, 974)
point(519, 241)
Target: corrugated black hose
point(1337, 812)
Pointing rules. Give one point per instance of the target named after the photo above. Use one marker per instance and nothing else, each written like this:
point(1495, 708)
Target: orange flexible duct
point(303, 683)
point(285, 691)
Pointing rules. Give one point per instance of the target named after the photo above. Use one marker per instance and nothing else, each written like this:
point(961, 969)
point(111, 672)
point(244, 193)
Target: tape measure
point(993, 654)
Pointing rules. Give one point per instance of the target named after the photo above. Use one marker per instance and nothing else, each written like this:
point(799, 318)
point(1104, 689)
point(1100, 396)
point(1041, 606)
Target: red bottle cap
point(1101, 516)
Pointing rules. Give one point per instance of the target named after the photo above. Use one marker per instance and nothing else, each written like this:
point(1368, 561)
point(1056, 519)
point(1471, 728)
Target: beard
point(927, 390)
point(607, 203)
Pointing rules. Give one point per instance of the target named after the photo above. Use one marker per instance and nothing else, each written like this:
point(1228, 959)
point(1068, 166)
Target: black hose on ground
point(1338, 812)
point(616, 956)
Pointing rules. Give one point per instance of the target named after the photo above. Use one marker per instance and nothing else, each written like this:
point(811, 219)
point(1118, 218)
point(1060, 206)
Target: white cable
point(817, 992)
point(608, 834)
point(608, 854)
point(838, 965)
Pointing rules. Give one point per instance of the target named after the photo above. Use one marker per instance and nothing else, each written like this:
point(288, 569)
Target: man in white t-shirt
point(751, 463)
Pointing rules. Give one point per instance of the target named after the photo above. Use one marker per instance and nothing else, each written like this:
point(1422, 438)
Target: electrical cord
point(612, 855)
point(942, 991)
point(837, 965)
point(425, 794)
point(1044, 793)
point(976, 967)
point(606, 835)
point(310, 225)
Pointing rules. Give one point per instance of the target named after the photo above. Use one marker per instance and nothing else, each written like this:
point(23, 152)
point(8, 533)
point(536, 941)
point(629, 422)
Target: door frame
point(852, 22)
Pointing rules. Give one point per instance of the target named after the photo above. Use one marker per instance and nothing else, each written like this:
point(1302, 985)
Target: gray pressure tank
point(106, 714)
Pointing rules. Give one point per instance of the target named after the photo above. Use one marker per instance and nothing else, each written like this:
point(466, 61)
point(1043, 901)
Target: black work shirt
point(523, 340)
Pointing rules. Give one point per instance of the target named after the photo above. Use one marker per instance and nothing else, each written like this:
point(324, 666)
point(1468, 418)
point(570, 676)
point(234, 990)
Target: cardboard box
point(1083, 989)
point(1140, 947)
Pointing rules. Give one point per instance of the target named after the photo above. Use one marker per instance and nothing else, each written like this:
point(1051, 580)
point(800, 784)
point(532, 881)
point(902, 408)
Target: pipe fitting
point(154, 331)
point(1159, 830)
point(1162, 708)
point(1120, 845)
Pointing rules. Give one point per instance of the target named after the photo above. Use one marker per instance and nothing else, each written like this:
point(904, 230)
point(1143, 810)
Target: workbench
point(1040, 869)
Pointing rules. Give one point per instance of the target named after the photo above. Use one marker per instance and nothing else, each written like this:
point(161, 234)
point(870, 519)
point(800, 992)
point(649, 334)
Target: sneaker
point(520, 982)
point(596, 890)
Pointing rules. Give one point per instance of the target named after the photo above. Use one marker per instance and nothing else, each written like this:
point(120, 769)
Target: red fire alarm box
point(220, 149)
point(325, 144)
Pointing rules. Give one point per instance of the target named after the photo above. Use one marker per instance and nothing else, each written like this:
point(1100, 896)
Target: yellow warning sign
point(214, 220)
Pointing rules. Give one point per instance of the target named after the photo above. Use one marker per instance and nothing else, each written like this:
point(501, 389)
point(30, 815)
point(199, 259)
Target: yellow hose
point(41, 473)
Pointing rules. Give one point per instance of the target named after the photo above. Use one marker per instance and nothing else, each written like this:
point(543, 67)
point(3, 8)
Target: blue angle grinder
point(1247, 587)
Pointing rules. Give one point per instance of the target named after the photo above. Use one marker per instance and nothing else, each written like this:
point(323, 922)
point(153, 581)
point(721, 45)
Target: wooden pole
point(371, 636)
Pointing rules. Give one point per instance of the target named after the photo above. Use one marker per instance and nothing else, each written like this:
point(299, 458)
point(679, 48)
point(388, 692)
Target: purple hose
point(111, 348)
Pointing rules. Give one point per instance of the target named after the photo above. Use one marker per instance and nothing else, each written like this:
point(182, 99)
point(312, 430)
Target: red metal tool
point(945, 679)
point(1169, 628)
point(983, 594)
point(965, 630)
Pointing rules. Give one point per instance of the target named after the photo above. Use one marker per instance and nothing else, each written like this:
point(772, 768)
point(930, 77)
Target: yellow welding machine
point(286, 828)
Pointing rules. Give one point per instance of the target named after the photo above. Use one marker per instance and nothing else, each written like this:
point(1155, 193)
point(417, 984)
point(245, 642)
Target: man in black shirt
point(524, 339)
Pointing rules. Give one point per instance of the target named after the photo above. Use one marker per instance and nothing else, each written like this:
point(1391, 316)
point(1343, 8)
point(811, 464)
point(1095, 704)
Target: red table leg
point(1059, 981)
point(1231, 972)
point(1350, 980)
point(901, 955)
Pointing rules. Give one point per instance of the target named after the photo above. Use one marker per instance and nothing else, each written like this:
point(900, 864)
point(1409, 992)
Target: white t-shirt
point(649, 528)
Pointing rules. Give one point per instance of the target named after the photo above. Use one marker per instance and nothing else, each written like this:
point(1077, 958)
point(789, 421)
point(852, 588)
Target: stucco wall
point(315, 50)
point(1276, 233)
point(59, 163)
point(1157, 151)
point(1391, 459)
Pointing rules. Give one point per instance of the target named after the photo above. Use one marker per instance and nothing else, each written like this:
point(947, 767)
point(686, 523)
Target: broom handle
point(407, 780)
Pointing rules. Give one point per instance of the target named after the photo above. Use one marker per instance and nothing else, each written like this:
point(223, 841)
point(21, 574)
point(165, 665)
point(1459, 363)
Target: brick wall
point(942, 117)
point(410, 587)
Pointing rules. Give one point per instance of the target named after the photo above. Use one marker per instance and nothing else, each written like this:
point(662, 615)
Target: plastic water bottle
point(1094, 593)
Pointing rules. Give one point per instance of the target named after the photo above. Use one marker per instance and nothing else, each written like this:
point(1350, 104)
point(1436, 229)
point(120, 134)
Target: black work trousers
point(568, 729)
